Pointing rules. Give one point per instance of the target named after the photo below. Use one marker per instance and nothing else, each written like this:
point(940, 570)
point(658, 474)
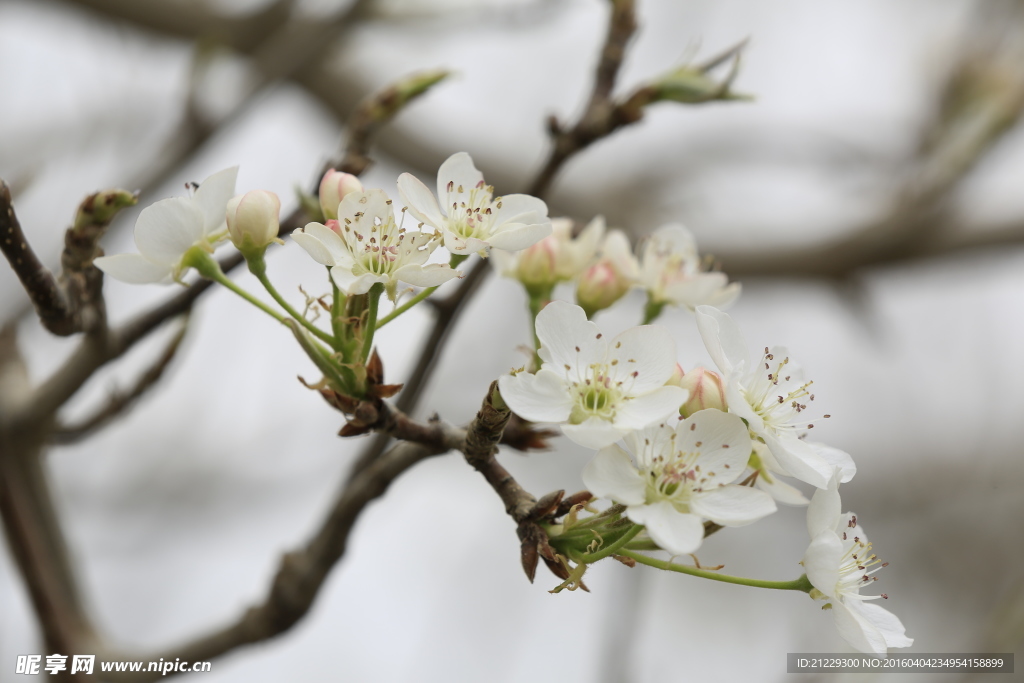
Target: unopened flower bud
point(610, 277)
point(333, 188)
point(537, 266)
point(705, 391)
point(253, 221)
point(600, 286)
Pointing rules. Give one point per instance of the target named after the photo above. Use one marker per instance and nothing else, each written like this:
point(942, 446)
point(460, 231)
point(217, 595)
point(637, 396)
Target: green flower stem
point(208, 267)
point(406, 306)
point(337, 312)
point(652, 310)
point(455, 260)
point(258, 267)
point(371, 320)
point(801, 584)
point(612, 548)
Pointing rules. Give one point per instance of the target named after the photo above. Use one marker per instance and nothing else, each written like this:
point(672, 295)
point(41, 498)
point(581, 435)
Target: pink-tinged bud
point(333, 188)
point(253, 220)
point(600, 286)
point(706, 391)
point(537, 266)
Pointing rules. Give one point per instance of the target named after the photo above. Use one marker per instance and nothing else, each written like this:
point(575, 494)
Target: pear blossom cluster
point(361, 240)
point(684, 453)
point(679, 453)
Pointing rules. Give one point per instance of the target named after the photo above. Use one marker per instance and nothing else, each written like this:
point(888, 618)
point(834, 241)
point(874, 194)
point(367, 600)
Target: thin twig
point(601, 116)
point(120, 401)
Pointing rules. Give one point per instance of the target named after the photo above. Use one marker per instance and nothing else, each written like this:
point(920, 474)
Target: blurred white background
point(178, 514)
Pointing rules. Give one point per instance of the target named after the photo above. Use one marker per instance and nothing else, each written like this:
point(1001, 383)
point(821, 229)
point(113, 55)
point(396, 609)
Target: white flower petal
point(167, 229)
point(738, 405)
point(838, 459)
point(725, 297)
point(617, 249)
point(520, 208)
point(821, 562)
point(722, 337)
point(322, 244)
point(675, 238)
point(362, 283)
point(856, 630)
point(542, 397)
point(520, 236)
point(697, 290)
point(641, 411)
point(724, 443)
point(212, 198)
point(732, 505)
point(677, 532)
point(780, 490)
point(644, 357)
point(426, 276)
point(343, 277)
point(567, 337)
point(611, 474)
point(825, 509)
point(800, 460)
point(593, 433)
point(421, 203)
point(133, 269)
point(462, 245)
point(459, 171)
point(887, 623)
point(587, 243)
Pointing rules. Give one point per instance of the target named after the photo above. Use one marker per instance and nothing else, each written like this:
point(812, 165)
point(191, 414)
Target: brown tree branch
point(600, 116)
point(49, 298)
point(73, 302)
point(120, 401)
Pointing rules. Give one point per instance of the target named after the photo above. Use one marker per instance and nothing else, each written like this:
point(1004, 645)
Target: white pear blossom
point(671, 271)
point(559, 257)
point(471, 219)
point(678, 477)
point(366, 246)
point(769, 393)
point(839, 562)
point(600, 389)
point(168, 228)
